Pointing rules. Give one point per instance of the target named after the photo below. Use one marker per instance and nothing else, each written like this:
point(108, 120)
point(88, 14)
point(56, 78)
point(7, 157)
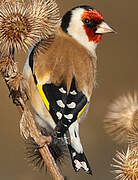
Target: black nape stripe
point(86, 7)
point(67, 17)
point(65, 21)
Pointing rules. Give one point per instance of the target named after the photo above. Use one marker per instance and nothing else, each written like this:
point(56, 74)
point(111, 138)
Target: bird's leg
point(62, 128)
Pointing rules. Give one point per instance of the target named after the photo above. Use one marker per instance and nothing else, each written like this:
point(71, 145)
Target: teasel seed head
point(122, 118)
point(23, 22)
point(126, 164)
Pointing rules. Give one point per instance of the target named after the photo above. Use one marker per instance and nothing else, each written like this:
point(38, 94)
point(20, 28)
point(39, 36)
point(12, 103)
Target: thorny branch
point(17, 85)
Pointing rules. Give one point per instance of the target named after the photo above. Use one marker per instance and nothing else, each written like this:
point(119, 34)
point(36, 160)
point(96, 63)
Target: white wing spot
point(60, 103)
point(77, 164)
point(65, 125)
point(82, 164)
point(58, 132)
point(62, 90)
point(71, 105)
point(73, 92)
point(59, 115)
point(74, 154)
point(66, 139)
point(69, 116)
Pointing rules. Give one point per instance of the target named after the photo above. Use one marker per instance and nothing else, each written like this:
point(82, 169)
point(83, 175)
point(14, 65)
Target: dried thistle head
point(133, 136)
point(8, 67)
point(57, 148)
point(122, 117)
point(126, 164)
point(23, 22)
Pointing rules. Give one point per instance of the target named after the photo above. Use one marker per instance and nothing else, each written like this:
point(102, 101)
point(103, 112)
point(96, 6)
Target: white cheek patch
point(77, 31)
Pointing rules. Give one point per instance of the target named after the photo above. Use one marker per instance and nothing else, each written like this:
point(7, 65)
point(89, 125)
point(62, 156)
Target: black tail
point(57, 147)
point(79, 160)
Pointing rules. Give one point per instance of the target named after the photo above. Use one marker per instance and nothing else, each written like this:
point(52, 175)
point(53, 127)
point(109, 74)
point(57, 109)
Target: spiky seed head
point(8, 67)
point(126, 164)
point(47, 14)
point(133, 136)
point(122, 117)
point(57, 148)
point(23, 22)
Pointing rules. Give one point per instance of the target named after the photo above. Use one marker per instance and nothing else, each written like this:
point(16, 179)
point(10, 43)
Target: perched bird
point(62, 76)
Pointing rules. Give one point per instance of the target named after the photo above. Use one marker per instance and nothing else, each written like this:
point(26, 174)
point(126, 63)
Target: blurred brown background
point(117, 74)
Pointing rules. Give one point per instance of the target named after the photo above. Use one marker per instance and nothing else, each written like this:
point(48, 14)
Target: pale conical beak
point(104, 28)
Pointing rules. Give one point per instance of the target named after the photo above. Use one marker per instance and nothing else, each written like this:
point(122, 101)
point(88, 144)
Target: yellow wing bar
point(46, 102)
point(81, 111)
point(43, 96)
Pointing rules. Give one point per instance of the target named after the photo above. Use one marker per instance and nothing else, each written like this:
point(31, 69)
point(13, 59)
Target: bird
point(61, 73)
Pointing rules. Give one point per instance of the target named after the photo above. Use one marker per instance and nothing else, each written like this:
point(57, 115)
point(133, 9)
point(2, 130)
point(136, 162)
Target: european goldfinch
point(62, 76)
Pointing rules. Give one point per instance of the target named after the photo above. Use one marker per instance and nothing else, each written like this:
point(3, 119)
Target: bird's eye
point(86, 21)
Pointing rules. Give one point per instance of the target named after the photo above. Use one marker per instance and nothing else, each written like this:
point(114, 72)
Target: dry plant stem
point(50, 163)
point(18, 96)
